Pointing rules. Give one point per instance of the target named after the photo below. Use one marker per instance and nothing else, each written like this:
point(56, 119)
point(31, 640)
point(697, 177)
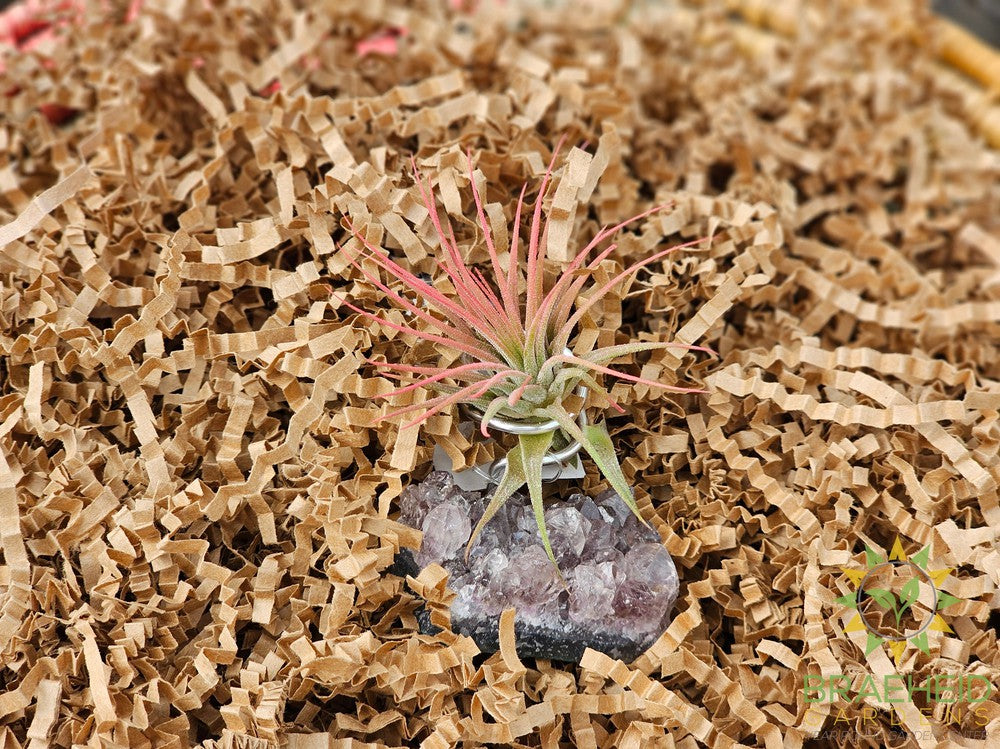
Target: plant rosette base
point(483, 476)
point(618, 583)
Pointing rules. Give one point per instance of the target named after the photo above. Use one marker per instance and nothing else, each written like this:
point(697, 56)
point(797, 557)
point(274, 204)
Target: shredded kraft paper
point(197, 498)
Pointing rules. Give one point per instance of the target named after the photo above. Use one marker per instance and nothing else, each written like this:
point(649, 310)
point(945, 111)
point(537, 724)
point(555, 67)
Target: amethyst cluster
point(620, 583)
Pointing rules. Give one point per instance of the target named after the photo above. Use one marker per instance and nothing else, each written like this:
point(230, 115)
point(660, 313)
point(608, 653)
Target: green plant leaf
point(873, 641)
point(492, 410)
point(922, 557)
point(531, 451)
point(883, 597)
point(513, 479)
point(610, 353)
point(908, 594)
point(597, 442)
point(946, 599)
point(849, 600)
point(574, 375)
point(568, 377)
point(872, 557)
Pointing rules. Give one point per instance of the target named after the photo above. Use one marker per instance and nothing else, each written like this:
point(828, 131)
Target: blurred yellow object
point(965, 56)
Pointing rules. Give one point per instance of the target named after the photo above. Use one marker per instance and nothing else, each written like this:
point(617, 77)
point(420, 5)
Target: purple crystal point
point(592, 590)
point(532, 584)
point(418, 499)
point(479, 597)
point(489, 566)
point(650, 587)
point(567, 530)
point(446, 529)
point(615, 510)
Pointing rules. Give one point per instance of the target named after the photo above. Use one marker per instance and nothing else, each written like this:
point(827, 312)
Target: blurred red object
point(27, 25)
point(382, 43)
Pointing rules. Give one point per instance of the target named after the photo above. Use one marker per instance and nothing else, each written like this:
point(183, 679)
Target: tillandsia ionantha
point(513, 335)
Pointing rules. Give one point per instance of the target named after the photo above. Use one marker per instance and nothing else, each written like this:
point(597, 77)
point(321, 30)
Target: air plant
point(512, 334)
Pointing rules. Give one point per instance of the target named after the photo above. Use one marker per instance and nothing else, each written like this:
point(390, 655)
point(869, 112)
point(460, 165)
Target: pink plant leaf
point(469, 392)
point(482, 300)
point(423, 334)
point(534, 269)
point(609, 353)
point(510, 302)
point(445, 374)
point(563, 336)
point(458, 316)
point(615, 373)
point(425, 290)
point(559, 290)
point(514, 261)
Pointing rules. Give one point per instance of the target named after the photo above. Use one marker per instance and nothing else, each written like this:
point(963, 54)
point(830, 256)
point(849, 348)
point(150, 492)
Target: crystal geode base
point(621, 583)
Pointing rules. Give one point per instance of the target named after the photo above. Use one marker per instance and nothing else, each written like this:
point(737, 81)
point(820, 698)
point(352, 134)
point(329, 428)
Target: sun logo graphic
point(897, 600)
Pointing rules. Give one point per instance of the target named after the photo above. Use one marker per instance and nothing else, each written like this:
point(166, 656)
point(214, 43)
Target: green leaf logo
point(885, 599)
point(907, 596)
point(900, 601)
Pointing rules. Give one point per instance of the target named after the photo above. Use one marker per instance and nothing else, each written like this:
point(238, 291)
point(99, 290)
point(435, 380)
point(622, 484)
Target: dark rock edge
point(531, 641)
